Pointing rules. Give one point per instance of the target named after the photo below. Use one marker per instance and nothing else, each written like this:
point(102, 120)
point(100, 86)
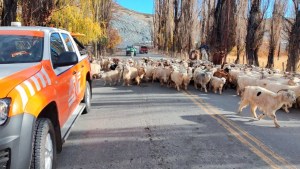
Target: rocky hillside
point(135, 28)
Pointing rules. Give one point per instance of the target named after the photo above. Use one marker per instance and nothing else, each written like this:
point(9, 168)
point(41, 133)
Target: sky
point(146, 6)
point(143, 6)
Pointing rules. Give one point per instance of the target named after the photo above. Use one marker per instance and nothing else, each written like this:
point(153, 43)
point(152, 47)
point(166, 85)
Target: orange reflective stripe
point(22, 33)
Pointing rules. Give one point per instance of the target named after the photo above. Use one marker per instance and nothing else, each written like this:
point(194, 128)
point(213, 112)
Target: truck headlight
point(4, 108)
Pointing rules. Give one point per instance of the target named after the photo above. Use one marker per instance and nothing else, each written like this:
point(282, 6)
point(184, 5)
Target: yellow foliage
point(72, 19)
point(113, 38)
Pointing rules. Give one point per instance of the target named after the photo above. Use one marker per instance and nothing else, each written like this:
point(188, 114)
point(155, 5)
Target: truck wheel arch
point(51, 112)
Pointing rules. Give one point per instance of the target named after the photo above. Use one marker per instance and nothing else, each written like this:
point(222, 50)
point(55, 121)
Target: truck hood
point(12, 75)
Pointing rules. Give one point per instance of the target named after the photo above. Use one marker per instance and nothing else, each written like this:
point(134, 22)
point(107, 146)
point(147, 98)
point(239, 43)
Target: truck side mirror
point(66, 59)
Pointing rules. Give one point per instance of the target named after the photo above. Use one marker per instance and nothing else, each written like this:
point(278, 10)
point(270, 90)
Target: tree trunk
point(270, 63)
point(9, 12)
point(294, 45)
point(1, 10)
point(176, 23)
point(256, 57)
point(252, 38)
point(222, 36)
point(238, 53)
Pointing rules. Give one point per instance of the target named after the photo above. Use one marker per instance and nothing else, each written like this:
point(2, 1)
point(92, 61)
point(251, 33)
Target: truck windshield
point(20, 49)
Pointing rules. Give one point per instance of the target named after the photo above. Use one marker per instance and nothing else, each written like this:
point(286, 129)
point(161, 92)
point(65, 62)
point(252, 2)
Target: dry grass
point(263, 60)
point(279, 63)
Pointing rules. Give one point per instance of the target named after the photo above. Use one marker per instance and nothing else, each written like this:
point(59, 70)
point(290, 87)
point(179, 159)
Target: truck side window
point(68, 42)
point(56, 46)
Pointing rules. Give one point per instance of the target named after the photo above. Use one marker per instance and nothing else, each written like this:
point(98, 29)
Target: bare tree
point(241, 26)
point(162, 22)
point(9, 12)
point(206, 21)
point(223, 32)
point(177, 19)
point(255, 30)
point(294, 40)
point(1, 9)
point(37, 12)
point(187, 26)
point(102, 14)
point(275, 30)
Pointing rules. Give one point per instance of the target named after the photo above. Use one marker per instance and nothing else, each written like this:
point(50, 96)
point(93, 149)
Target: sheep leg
point(261, 116)
point(195, 85)
point(215, 90)
point(161, 82)
point(275, 120)
point(220, 90)
point(253, 110)
point(243, 104)
point(110, 81)
point(129, 82)
point(237, 91)
point(138, 81)
point(203, 86)
point(153, 78)
point(178, 88)
point(285, 107)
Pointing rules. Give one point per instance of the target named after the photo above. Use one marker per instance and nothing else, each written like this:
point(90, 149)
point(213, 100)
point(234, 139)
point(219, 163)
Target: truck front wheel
point(87, 98)
point(44, 145)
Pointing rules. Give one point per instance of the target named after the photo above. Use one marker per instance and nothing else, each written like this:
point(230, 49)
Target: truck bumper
point(16, 139)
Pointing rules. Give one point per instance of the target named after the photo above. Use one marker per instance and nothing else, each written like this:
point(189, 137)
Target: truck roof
point(32, 28)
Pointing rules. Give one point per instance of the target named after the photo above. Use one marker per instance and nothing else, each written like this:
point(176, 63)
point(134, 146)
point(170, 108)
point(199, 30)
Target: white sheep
point(217, 83)
point(275, 87)
point(267, 101)
point(177, 78)
point(110, 77)
point(187, 77)
point(129, 73)
point(149, 72)
point(202, 78)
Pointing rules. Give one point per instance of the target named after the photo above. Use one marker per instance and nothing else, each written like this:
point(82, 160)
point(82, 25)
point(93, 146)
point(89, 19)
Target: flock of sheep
point(266, 89)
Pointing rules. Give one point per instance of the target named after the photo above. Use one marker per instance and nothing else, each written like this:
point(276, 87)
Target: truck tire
point(87, 98)
point(44, 145)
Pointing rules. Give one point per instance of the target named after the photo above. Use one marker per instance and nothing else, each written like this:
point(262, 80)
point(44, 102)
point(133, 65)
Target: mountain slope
point(133, 27)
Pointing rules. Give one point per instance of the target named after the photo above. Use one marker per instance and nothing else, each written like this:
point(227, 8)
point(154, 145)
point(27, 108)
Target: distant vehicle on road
point(143, 49)
point(130, 49)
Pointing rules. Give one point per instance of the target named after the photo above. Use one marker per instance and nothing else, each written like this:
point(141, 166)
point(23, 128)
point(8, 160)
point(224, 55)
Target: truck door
point(79, 77)
point(64, 81)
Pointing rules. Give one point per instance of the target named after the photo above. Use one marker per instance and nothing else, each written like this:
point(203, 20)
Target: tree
point(188, 25)
point(255, 30)
point(102, 13)
point(113, 38)
point(37, 13)
point(241, 26)
point(275, 30)
point(206, 21)
point(163, 24)
point(294, 40)
point(1, 9)
point(222, 36)
point(9, 12)
point(177, 18)
point(72, 19)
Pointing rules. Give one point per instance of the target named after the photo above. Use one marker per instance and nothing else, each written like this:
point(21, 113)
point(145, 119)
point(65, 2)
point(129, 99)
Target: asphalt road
point(153, 127)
